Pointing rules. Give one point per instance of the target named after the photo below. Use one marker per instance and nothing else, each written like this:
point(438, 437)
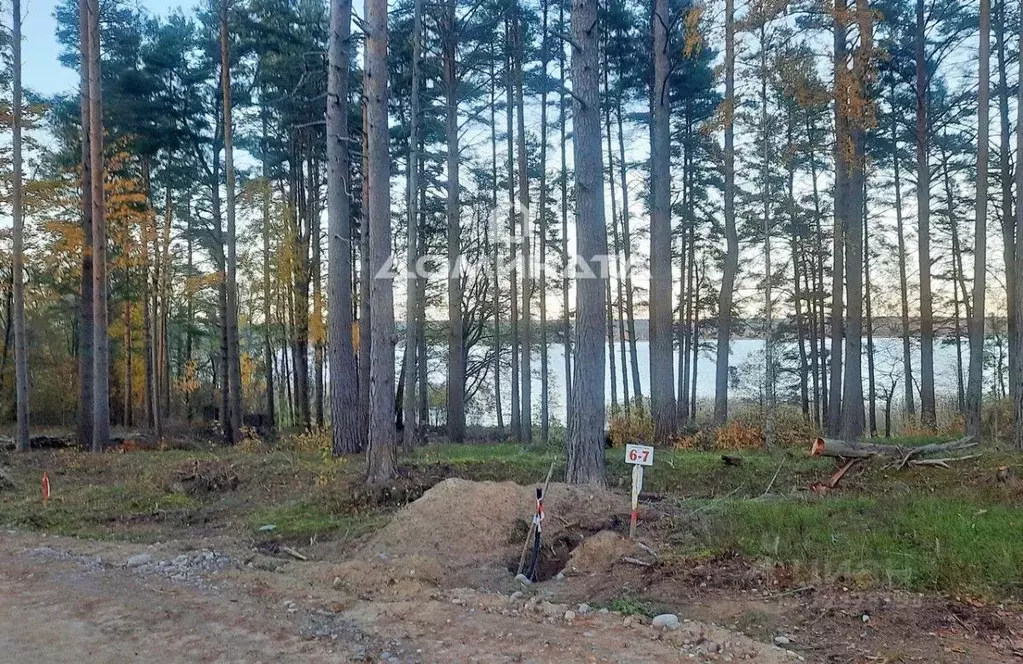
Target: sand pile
point(470, 533)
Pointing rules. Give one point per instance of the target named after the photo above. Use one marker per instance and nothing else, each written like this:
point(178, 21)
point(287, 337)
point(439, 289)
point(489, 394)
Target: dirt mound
point(598, 554)
point(471, 533)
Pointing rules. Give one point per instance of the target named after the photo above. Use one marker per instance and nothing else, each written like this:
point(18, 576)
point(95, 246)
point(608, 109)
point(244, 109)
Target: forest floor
point(271, 554)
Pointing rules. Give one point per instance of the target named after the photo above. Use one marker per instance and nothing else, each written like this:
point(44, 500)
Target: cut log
point(850, 450)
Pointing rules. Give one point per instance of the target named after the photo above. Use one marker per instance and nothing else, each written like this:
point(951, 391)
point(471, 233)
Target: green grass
point(310, 518)
point(920, 542)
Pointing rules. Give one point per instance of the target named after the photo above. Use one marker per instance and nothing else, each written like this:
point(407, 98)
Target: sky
point(42, 70)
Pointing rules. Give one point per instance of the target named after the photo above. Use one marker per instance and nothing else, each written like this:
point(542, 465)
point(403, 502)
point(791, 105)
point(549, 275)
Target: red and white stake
point(637, 487)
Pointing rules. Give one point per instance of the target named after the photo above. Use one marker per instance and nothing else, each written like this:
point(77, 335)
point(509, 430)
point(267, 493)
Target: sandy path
point(57, 604)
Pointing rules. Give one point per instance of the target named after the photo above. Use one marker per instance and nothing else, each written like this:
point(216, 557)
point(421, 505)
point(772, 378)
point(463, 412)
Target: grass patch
point(305, 519)
point(919, 543)
point(630, 606)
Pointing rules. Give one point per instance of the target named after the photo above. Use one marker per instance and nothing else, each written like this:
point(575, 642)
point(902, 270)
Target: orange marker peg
point(46, 488)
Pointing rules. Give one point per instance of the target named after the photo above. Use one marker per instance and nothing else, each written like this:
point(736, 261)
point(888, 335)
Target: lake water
point(747, 361)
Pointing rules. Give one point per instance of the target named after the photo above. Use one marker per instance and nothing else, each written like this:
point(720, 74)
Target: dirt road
point(67, 600)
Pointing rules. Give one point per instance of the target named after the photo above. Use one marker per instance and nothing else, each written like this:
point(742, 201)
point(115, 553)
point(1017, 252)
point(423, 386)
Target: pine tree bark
point(234, 371)
point(510, 106)
point(545, 417)
point(344, 381)
point(630, 308)
point(662, 374)
point(907, 348)
point(456, 331)
point(86, 356)
point(495, 256)
point(923, 203)
point(526, 327)
point(268, 346)
point(1008, 216)
point(365, 272)
point(768, 223)
point(412, 302)
point(841, 196)
point(146, 233)
point(566, 280)
point(852, 415)
point(868, 304)
point(585, 433)
point(731, 266)
point(974, 392)
point(100, 338)
point(381, 461)
point(616, 248)
point(21, 437)
point(316, 272)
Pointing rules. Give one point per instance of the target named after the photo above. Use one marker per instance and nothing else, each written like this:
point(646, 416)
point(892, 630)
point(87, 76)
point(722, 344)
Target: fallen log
point(57, 442)
point(850, 450)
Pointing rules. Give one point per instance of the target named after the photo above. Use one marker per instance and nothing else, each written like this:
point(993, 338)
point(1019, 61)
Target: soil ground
point(169, 556)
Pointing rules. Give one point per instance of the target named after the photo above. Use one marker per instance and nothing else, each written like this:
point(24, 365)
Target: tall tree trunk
point(820, 254)
point(153, 328)
point(566, 280)
point(101, 338)
point(146, 235)
point(630, 309)
point(868, 302)
point(976, 325)
point(456, 332)
point(907, 356)
point(190, 308)
point(923, 203)
point(545, 418)
point(495, 247)
point(344, 381)
point(316, 267)
point(526, 417)
point(841, 196)
point(769, 365)
point(1008, 217)
point(303, 174)
point(365, 275)
point(21, 437)
point(86, 356)
point(731, 235)
point(268, 346)
point(412, 306)
point(129, 397)
point(617, 243)
point(585, 433)
point(612, 364)
point(794, 240)
point(380, 455)
point(516, 411)
point(234, 370)
point(662, 375)
point(165, 298)
point(853, 417)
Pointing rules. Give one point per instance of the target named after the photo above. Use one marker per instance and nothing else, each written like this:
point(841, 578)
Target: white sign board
point(642, 455)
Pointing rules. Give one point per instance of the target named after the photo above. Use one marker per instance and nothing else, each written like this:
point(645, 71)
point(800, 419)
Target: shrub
point(738, 436)
point(636, 427)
